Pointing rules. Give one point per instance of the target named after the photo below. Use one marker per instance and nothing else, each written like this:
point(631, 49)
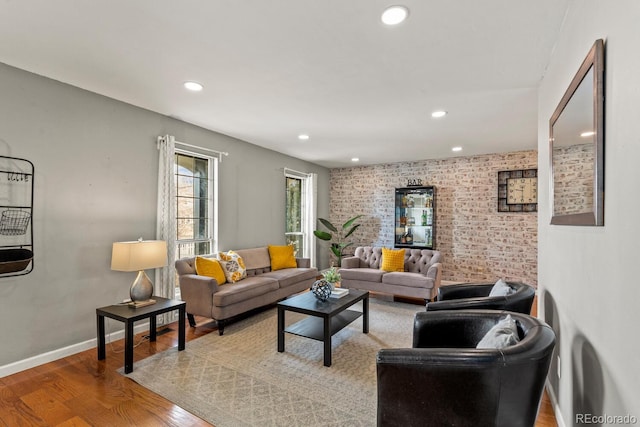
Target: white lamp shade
point(138, 255)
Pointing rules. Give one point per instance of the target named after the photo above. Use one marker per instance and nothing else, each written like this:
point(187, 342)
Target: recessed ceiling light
point(456, 149)
point(438, 114)
point(193, 86)
point(303, 137)
point(587, 134)
point(394, 15)
point(355, 159)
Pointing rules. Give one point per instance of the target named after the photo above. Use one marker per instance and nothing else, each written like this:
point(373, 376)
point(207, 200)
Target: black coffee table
point(325, 319)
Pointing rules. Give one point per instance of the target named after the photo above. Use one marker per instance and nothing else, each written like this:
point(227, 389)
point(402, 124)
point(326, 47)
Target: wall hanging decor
point(518, 190)
point(576, 146)
point(16, 216)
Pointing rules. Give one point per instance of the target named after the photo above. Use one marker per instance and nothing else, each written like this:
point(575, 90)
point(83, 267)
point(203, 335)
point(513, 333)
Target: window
point(301, 213)
point(196, 207)
point(293, 232)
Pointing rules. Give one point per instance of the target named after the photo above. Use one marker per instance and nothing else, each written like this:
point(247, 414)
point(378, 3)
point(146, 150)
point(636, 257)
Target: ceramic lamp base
point(142, 288)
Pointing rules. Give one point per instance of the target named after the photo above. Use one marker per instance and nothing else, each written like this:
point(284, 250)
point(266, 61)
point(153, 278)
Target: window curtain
point(165, 277)
point(311, 216)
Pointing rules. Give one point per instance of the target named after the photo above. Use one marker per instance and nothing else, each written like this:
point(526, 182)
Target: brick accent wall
point(477, 242)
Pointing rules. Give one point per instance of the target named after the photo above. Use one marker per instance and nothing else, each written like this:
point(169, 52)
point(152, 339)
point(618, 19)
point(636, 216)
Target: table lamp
point(139, 256)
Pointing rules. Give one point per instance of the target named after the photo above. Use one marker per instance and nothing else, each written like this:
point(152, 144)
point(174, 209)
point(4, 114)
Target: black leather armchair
point(476, 296)
point(445, 381)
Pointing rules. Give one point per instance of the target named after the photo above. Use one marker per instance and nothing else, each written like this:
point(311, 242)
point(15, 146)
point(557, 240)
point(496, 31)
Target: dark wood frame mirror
point(576, 146)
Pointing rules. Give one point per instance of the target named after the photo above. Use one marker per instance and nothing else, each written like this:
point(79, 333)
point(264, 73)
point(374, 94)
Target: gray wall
point(587, 276)
point(96, 183)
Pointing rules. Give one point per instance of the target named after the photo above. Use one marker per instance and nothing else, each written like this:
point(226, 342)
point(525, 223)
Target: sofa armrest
point(451, 329)
point(303, 262)
point(419, 358)
point(464, 290)
point(350, 262)
point(435, 272)
point(197, 292)
point(478, 303)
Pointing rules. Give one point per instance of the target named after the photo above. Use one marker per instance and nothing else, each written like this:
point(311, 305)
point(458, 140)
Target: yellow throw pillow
point(392, 259)
point(210, 267)
point(233, 266)
point(282, 257)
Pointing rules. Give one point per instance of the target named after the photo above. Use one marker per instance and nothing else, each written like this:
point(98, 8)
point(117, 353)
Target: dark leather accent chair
point(445, 381)
point(476, 296)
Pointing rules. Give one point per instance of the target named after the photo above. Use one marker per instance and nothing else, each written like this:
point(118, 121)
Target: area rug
point(239, 379)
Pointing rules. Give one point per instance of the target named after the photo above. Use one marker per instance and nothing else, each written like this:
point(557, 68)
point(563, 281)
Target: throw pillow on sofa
point(392, 259)
point(501, 335)
point(282, 257)
point(210, 267)
point(233, 266)
point(500, 289)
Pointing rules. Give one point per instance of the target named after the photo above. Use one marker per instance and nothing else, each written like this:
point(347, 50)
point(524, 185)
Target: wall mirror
point(576, 146)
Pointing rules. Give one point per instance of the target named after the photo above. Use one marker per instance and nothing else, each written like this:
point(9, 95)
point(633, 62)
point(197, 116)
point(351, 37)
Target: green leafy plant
point(332, 275)
point(337, 239)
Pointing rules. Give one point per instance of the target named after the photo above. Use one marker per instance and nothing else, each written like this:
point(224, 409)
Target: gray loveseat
point(261, 287)
point(420, 278)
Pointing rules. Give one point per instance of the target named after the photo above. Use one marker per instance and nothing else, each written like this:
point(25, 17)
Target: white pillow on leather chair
point(501, 335)
point(501, 289)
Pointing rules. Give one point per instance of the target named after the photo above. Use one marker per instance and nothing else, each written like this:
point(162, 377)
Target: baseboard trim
point(554, 403)
point(50, 356)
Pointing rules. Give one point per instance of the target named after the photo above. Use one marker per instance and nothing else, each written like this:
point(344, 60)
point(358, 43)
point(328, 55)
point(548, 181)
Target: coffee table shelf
point(313, 327)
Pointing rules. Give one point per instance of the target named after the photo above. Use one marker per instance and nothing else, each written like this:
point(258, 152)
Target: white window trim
point(309, 211)
point(212, 194)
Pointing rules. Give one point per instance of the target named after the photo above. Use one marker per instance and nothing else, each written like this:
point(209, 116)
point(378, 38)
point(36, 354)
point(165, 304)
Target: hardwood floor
point(546, 417)
point(79, 390)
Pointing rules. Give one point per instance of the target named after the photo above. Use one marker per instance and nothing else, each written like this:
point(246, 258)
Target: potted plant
point(332, 276)
point(338, 243)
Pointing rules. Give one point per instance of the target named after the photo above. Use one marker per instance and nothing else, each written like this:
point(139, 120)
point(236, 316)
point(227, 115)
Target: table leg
point(365, 315)
point(153, 325)
point(280, 329)
point(181, 327)
point(327, 341)
point(101, 338)
point(128, 347)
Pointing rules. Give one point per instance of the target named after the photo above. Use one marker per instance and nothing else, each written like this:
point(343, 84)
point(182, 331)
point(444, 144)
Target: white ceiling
point(275, 68)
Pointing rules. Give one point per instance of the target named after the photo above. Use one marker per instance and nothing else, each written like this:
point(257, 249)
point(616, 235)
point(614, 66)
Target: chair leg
point(192, 320)
point(221, 324)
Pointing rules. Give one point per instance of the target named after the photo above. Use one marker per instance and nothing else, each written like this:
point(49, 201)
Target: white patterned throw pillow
point(233, 266)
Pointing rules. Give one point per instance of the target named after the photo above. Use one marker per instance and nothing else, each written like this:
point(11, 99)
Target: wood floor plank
point(93, 411)
point(48, 407)
point(14, 412)
point(546, 416)
point(74, 422)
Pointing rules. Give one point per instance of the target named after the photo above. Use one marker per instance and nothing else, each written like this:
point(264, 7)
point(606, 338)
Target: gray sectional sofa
point(261, 287)
point(420, 278)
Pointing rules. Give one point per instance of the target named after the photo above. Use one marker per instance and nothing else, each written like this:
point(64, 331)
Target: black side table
point(129, 315)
